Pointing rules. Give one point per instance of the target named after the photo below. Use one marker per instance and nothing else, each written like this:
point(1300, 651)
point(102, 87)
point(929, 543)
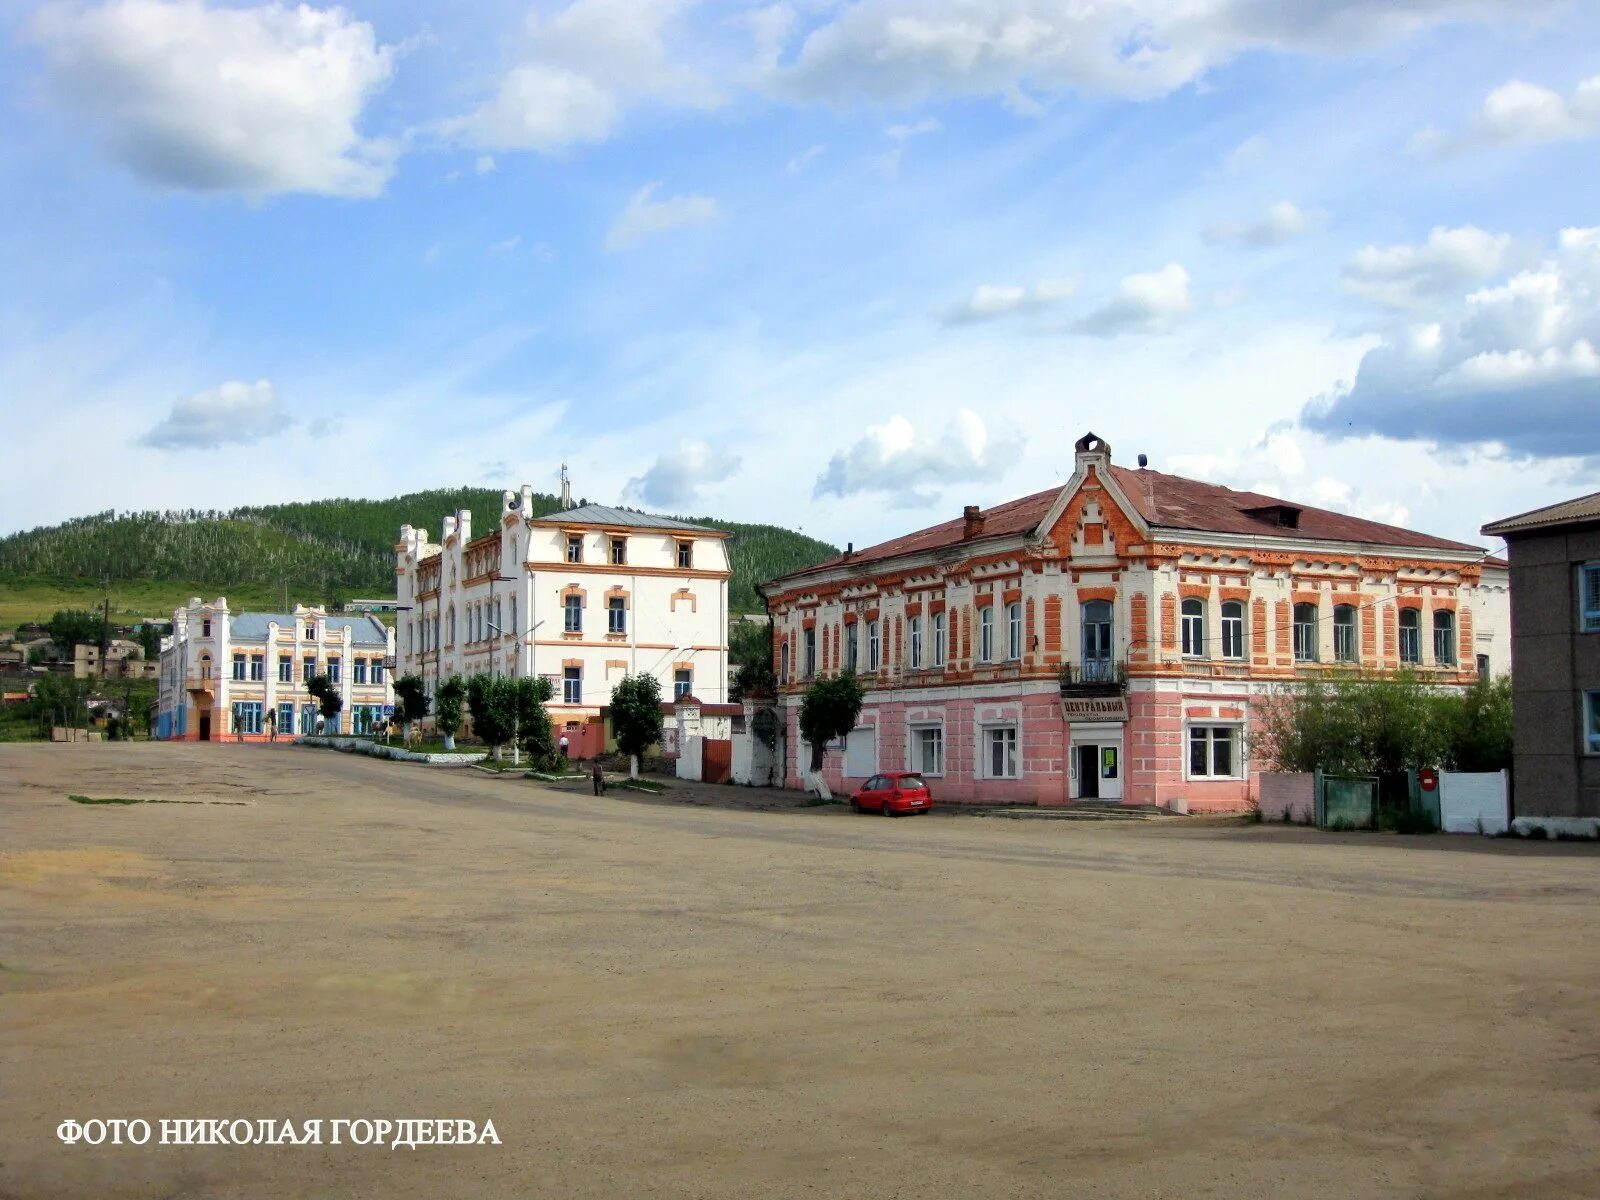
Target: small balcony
point(1094, 677)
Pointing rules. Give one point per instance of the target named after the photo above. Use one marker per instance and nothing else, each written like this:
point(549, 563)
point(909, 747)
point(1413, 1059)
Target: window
point(1213, 751)
point(1000, 752)
point(685, 555)
point(873, 646)
point(358, 671)
point(572, 685)
point(619, 551)
point(364, 718)
point(311, 633)
point(852, 646)
point(986, 633)
point(617, 615)
point(573, 607)
point(285, 669)
point(286, 717)
point(1232, 629)
point(1194, 627)
point(377, 670)
point(1097, 665)
point(1014, 630)
point(1589, 597)
point(938, 639)
point(450, 627)
point(1444, 637)
point(308, 718)
point(512, 628)
point(1305, 632)
point(1483, 666)
point(574, 548)
point(811, 652)
point(1410, 635)
point(783, 662)
point(247, 716)
point(915, 627)
point(1591, 723)
point(333, 670)
point(682, 682)
point(258, 667)
point(238, 666)
point(927, 749)
point(1344, 633)
point(308, 668)
point(205, 628)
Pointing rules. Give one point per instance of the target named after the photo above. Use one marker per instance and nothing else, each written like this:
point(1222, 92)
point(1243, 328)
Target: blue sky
point(842, 266)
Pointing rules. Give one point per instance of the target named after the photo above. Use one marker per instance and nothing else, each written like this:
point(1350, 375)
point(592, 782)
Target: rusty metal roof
point(1568, 512)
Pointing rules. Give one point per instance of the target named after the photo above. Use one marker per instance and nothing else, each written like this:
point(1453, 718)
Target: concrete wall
point(691, 757)
point(1555, 664)
point(1474, 802)
point(1290, 795)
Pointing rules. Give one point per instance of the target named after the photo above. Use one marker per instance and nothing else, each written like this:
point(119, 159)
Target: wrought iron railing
point(1094, 672)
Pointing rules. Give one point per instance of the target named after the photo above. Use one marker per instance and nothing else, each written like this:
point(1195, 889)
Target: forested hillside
point(327, 550)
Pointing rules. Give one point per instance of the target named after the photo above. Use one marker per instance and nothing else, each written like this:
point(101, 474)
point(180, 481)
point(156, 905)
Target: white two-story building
point(582, 597)
point(227, 675)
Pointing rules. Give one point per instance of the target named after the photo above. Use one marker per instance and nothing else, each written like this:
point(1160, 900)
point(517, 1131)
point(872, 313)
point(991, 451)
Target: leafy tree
point(413, 696)
point(492, 702)
point(636, 716)
point(448, 709)
point(828, 711)
point(535, 731)
point(59, 699)
point(750, 650)
point(150, 635)
point(326, 694)
point(76, 627)
point(1480, 727)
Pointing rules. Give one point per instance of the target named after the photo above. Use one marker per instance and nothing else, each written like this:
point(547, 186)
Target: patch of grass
point(640, 785)
point(76, 799)
point(818, 802)
point(1404, 820)
point(1253, 817)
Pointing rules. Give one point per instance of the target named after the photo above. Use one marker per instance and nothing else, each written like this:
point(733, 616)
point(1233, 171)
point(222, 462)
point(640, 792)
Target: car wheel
point(887, 811)
point(855, 805)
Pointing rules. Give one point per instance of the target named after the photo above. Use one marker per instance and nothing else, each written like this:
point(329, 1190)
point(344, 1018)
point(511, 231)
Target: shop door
point(1088, 772)
point(1099, 766)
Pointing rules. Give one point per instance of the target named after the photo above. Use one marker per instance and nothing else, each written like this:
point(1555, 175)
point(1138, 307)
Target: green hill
point(323, 550)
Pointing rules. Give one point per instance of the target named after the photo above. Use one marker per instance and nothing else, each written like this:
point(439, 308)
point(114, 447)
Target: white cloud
point(1520, 113)
point(506, 246)
point(235, 412)
point(484, 164)
point(582, 67)
point(910, 468)
point(901, 134)
point(1408, 276)
point(1245, 155)
point(258, 100)
point(678, 477)
point(1153, 302)
point(645, 217)
point(990, 302)
point(906, 51)
point(1281, 223)
point(806, 157)
point(1516, 365)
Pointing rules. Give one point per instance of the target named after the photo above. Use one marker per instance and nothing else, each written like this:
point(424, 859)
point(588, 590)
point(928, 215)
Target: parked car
point(893, 794)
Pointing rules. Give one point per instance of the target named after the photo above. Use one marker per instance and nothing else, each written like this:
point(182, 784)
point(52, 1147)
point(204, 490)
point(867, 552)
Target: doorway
point(1088, 772)
point(205, 727)
point(1097, 766)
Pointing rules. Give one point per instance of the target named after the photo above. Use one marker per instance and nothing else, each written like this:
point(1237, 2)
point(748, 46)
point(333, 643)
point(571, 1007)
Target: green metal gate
point(1347, 802)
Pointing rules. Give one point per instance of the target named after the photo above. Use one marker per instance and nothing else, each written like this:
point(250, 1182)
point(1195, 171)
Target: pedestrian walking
point(564, 753)
point(599, 777)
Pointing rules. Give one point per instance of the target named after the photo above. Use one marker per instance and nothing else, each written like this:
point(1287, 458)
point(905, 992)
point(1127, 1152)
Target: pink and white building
point(1114, 638)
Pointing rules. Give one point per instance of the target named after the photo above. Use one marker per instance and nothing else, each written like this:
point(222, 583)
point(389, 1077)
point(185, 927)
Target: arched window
point(874, 646)
point(914, 627)
point(852, 647)
point(1014, 630)
point(1344, 633)
point(938, 639)
point(1232, 629)
point(1410, 635)
point(1444, 637)
point(1194, 627)
point(783, 662)
point(1305, 632)
point(512, 628)
point(1097, 642)
point(450, 626)
point(986, 633)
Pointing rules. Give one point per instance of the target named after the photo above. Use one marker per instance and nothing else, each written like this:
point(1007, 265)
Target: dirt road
point(652, 1000)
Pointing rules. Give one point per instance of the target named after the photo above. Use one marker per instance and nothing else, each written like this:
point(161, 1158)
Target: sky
point(841, 265)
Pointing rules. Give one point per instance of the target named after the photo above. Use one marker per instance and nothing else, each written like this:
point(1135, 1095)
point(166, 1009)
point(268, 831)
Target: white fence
point(1474, 801)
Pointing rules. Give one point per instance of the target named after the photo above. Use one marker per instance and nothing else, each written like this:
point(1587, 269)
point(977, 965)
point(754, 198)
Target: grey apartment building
point(1555, 643)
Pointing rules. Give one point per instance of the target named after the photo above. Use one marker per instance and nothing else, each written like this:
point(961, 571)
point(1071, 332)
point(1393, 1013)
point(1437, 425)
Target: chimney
point(971, 521)
point(1093, 454)
point(849, 549)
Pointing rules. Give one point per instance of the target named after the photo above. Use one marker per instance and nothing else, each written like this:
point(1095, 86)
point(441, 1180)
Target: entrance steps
point(1085, 810)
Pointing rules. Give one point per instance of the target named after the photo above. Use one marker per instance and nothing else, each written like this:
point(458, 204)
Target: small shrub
point(76, 799)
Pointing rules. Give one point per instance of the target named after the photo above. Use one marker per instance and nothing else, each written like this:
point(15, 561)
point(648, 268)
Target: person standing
point(599, 776)
point(564, 745)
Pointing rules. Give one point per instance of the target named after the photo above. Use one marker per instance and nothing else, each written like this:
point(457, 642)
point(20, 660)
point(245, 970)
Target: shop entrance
point(1097, 769)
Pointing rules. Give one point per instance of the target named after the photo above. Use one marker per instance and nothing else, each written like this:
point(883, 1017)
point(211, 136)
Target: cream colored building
point(582, 597)
point(226, 675)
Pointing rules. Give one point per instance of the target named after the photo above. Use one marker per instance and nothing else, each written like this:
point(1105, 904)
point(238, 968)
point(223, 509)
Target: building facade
point(1113, 639)
point(1555, 632)
point(225, 675)
point(582, 597)
point(124, 660)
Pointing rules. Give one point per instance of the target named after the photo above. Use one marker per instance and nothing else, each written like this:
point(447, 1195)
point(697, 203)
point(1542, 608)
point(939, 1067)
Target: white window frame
point(852, 646)
point(571, 686)
point(572, 613)
point(619, 552)
point(1589, 582)
point(808, 643)
point(335, 670)
point(940, 641)
point(1236, 735)
point(1240, 631)
point(285, 668)
point(874, 645)
point(1193, 626)
point(914, 732)
point(914, 642)
point(682, 687)
point(258, 668)
point(1355, 634)
point(574, 548)
point(1014, 631)
point(1589, 735)
point(1303, 640)
point(685, 556)
point(985, 733)
point(617, 615)
point(783, 662)
point(240, 666)
point(986, 634)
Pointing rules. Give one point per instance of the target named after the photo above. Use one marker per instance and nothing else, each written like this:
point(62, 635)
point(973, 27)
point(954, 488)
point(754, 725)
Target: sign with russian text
point(1094, 708)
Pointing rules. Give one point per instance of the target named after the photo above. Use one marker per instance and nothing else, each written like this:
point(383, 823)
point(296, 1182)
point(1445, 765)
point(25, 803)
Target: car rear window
point(910, 783)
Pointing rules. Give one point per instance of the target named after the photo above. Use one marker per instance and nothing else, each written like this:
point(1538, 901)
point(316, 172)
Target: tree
point(828, 711)
point(1480, 727)
point(326, 692)
point(413, 696)
point(535, 732)
point(448, 712)
point(636, 716)
point(492, 703)
point(750, 650)
point(75, 626)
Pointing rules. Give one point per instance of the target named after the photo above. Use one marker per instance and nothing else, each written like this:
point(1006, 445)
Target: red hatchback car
point(893, 794)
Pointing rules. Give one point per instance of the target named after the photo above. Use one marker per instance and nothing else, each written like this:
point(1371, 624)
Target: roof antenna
point(1144, 461)
point(566, 488)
